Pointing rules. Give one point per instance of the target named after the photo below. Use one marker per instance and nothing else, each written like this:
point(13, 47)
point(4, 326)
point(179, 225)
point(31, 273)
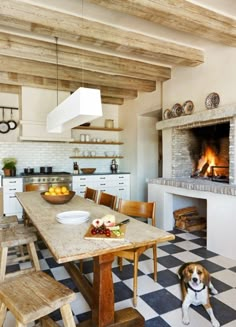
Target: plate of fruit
point(106, 228)
point(58, 195)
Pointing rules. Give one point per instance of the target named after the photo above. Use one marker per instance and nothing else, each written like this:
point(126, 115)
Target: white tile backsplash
point(36, 154)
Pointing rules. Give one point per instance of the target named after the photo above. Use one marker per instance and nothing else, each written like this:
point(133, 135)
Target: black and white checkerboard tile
point(159, 303)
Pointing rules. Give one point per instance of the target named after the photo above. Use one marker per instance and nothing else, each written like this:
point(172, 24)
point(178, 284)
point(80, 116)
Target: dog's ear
point(206, 277)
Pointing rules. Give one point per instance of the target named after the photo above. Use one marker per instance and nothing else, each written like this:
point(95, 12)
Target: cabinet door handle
point(121, 177)
point(13, 196)
point(121, 189)
point(102, 177)
point(81, 185)
point(122, 183)
point(103, 184)
point(12, 189)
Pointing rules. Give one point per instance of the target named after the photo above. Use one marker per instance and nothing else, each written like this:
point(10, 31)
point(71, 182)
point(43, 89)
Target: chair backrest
point(107, 200)
point(138, 209)
point(91, 194)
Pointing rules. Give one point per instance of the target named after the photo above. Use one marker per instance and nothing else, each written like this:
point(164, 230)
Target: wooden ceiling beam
point(6, 88)
point(28, 48)
point(51, 84)
point(180, 15)
point(30, 67)
point(42, 21)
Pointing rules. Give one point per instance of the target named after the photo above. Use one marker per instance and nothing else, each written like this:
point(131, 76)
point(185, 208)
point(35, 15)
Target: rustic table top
point(67, 243)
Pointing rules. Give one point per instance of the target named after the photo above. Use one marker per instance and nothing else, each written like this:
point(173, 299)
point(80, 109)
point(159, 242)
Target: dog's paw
point(214, 291)
point(215, 323)
point(186, 321)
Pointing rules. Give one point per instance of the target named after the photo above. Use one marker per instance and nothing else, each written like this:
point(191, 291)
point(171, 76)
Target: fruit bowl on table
point(58, 199)
point(88, 170)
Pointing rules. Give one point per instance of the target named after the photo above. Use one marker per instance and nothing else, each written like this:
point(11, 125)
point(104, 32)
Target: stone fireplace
point(186, 183)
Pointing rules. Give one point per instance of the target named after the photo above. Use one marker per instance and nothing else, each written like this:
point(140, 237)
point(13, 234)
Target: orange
point(51, 189)
point(57, 190)
point(64, 189)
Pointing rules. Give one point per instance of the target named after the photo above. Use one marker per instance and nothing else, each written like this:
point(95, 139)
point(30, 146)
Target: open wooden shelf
point(96, 157)
point(104, 143)
point(98, 128)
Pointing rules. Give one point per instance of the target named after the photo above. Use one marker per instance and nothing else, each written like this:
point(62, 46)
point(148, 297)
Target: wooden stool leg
point(135, 281)
point(3, 312)
point(3, 263)
point(67, 316)
point(33, 255)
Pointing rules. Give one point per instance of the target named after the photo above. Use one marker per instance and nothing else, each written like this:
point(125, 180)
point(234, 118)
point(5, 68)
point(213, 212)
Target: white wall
point(140, 140)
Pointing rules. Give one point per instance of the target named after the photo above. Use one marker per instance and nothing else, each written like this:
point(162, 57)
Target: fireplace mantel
point(201, 118)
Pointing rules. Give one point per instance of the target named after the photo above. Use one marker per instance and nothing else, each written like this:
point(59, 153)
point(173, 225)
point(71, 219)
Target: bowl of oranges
point(58, 195)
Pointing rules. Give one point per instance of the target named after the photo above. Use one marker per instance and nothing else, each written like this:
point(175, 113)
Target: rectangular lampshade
point(83, 106)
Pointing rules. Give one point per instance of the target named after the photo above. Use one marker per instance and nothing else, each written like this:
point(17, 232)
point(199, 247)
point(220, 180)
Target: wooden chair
point(16, 237)
point(144, 210)
point(33, 296)
point(91, 194)
point(107, 200)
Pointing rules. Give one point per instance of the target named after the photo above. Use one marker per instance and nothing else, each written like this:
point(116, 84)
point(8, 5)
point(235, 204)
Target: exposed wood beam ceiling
point(121, 62)
point(181, 15)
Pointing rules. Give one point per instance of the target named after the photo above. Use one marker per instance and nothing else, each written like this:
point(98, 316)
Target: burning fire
point(207, 160)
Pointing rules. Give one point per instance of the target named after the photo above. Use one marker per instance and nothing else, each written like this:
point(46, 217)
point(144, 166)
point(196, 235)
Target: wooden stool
point(32, 296)
point(16, 237)
point(8, 222)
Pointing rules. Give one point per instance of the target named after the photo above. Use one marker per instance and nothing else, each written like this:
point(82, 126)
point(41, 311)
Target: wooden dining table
point(68, 245)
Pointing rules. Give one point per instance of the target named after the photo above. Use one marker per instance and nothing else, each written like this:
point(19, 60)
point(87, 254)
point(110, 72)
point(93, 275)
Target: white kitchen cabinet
point(11, 205)
point(116, 184)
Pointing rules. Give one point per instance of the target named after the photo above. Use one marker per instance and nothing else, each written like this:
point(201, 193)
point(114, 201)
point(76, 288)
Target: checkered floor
point(159, 303)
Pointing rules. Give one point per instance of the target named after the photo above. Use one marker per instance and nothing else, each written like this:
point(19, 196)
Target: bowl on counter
point(88, 170)
point(58, 199)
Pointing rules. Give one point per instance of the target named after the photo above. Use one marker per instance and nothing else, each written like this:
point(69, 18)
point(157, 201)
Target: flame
point(208, 157)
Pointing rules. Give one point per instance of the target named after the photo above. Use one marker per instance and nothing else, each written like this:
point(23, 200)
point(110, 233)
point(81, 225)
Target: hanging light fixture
point(82, 106)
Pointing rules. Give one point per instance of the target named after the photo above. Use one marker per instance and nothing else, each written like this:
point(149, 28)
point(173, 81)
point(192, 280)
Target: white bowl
point(72, 217)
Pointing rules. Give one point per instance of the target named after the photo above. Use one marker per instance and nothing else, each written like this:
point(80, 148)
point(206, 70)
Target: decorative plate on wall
point(177, 110)
point(167, 114)
point(212, 100)
point(188, 107)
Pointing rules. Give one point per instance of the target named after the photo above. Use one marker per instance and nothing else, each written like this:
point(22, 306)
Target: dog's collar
point(195, 291)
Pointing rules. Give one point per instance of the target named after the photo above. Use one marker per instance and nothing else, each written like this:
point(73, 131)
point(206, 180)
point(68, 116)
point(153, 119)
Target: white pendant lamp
point(82, 106)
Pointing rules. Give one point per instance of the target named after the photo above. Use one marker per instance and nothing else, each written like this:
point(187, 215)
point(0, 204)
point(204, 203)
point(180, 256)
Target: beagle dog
point(195, 286)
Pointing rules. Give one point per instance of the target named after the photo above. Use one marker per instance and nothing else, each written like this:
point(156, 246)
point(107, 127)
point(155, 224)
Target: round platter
point(188, 107)
point(212, 100)
point(167, 114)
point(177, 110)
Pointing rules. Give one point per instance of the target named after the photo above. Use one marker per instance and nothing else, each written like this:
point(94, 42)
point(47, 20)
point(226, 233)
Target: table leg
point(102, 297)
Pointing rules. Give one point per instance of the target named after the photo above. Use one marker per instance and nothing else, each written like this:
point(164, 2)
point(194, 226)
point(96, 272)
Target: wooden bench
point(34, 296)
point(13, 238)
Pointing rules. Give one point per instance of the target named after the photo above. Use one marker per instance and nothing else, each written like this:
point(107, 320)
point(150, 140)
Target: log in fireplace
point(209, 151)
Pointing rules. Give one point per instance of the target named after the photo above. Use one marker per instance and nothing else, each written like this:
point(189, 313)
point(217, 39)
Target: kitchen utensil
point(109, 153)
point(45, 170)
point(126, 221)
point(4, 126)
point(88, 170)
point(12, 124)
point(58, 199)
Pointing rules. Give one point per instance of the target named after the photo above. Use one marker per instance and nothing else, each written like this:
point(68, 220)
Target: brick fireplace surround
point(217, 201)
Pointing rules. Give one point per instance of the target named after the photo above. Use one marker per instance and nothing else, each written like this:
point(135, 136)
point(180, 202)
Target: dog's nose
point(194, 279)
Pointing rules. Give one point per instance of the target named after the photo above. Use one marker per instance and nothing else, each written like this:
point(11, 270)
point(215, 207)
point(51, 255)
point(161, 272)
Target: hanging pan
point(12, 124)
point(4, 126)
